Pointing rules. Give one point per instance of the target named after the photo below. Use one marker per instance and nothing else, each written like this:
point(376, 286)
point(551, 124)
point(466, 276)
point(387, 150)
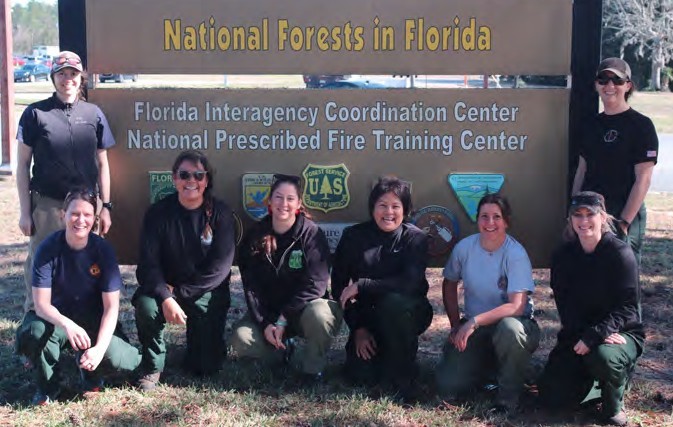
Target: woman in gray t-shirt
point(495, 339)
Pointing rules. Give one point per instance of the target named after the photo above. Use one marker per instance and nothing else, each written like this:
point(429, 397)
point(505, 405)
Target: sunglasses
point(617, 81)
point(87, 195)
point(287, 178)
point(65, 60)
point(197, 175)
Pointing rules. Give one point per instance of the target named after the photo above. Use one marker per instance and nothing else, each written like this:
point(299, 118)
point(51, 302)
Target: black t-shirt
point(65, 139)
point(612, 147)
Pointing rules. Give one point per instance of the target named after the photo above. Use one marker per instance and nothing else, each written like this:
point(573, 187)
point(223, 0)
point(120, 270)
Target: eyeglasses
point(66, 60)
point(287, 178)
point(186, 175)
point(617, 81)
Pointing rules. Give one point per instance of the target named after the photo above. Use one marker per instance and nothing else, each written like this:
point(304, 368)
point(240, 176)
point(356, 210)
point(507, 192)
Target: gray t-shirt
point(489, 276)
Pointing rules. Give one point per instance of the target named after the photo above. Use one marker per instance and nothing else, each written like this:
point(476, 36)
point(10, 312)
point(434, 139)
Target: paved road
point(662, 177)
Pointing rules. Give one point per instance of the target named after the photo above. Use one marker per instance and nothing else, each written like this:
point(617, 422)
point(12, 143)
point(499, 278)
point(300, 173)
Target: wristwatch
point(108, 205)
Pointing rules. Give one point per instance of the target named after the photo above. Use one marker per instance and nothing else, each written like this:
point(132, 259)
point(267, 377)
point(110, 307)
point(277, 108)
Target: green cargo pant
point(318, 323)
point(42, 344)
point(568, 378)
point(636, 232)
point(206, 320)
point(395, 321)
point(500, 351)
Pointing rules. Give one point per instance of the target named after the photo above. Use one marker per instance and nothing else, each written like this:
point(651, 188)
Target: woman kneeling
point(498, 334)
point(76, 284)
point(595, 281)
point(284, 264)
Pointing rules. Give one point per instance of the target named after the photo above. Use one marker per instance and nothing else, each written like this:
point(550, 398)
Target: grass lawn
point(248, 394)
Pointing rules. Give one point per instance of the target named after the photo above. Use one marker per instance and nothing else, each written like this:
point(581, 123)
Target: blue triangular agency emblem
point(471, 187)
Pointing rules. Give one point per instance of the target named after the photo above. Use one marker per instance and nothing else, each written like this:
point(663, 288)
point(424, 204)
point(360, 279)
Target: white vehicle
point(42, 50)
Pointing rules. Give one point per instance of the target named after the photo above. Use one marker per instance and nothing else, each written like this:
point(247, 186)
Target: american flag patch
point(652, 153)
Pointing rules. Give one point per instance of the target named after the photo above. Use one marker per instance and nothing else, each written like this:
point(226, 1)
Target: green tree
point(646, 25)
point(36, 23)
point(325, 188)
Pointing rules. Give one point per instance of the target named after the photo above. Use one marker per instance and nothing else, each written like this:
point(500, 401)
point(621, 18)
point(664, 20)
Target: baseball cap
point(615, 65)
point(591, 200)
point(66, 59)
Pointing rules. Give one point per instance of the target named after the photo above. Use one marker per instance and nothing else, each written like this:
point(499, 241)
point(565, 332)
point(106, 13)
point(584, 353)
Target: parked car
point(32, 73)
point(18, 61)
point(314, 81)
point(119, 78)
point(353, 84)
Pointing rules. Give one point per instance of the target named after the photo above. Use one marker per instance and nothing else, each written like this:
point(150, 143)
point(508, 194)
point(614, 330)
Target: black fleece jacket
point(379, 262)
point(171, 251)
point(597, 294)
point(294, 275)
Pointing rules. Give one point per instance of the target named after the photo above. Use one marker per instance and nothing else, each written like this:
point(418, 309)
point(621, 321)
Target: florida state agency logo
point(161, 185)
point(94, 270)
point(255, 191)
point(441, 227)
point(326, 187)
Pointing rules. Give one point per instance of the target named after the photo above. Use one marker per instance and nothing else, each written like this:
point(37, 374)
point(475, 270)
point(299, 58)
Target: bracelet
point(474, 323)
point(281, 323)
point(622, 220)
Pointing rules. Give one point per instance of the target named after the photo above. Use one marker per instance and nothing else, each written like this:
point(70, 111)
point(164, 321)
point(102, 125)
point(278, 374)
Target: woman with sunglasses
point(594, 277)
point(618, 152)
point(284, 262)
point(379, 279)
point(187, 247)
point(76, 286)
point(66, 139)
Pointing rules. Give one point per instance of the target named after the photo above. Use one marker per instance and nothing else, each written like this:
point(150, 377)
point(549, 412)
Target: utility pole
point(6, 84)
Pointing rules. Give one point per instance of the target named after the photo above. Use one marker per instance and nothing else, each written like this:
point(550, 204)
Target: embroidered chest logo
point(295, 259)
point(94, 270)
point(611, 136)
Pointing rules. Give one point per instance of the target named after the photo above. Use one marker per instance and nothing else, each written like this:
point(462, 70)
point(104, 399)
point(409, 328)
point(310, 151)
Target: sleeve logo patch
point(652, 153)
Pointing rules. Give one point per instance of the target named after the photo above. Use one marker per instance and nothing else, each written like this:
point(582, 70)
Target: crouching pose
point(76, 285)
point(284, 264)
point(379, 279)
point(495, 340)
point(186, 251)
point(595, 281)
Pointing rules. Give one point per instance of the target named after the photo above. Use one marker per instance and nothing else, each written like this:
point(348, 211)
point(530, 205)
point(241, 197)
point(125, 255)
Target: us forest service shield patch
point(326, 187)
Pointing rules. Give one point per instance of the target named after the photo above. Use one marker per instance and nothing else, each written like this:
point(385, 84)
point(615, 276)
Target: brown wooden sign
point(341, 141)
point(329, 37)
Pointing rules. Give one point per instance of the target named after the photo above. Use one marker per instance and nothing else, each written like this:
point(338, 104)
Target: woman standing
point(618, 153)
point(66, 139)
point(284, 264)
point(186, 251)
point(379, 279)
point(76, 284)
point(498, 334)
point(595, 281)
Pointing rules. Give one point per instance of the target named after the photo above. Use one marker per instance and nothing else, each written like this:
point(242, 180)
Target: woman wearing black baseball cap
point(594, 277)
point(66, 139)
point(618, 152)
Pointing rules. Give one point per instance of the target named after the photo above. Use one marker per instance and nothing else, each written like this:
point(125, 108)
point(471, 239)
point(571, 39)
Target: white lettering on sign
point(492, 113)
point(498, 142)
point(410, 141)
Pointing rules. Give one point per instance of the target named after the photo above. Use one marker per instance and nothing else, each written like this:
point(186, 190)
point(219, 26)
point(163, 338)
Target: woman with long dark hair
point(186, 252)
point(76, 287)
point(284, 262)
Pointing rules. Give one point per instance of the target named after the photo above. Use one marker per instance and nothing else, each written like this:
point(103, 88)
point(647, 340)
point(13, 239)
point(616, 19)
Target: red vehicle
point(18, 61)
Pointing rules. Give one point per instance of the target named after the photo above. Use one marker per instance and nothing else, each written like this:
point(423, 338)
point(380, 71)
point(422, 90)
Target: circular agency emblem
point(610, 136)
point(441, 227)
